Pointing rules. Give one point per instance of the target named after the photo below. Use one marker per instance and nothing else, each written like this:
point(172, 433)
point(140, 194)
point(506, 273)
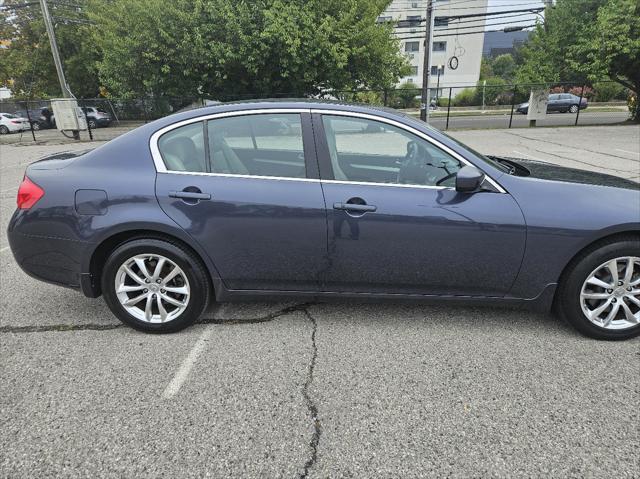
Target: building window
point(414, 4)
point(441, 22)
point(384, 19)
point(434, 70)
point(414, 70)
point(410, 47)
point(439, 46)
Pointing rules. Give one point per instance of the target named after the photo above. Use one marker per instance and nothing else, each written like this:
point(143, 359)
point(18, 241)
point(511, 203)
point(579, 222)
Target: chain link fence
point(481, 106)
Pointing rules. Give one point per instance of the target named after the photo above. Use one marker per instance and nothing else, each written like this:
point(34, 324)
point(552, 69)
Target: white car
point(11, 123)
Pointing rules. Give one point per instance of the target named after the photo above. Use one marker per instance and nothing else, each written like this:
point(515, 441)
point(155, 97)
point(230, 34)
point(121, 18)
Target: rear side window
point(182, 149)
point(268, 144)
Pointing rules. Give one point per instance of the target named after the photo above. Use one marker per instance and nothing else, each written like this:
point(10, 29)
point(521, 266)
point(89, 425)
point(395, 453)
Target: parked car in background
point(561, 102)
point(96, 117)
point(312, 199)
point(10, 123)
point(37, 119)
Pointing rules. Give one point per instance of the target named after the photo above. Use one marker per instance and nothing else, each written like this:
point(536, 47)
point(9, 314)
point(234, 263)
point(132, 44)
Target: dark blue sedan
point(322, 200)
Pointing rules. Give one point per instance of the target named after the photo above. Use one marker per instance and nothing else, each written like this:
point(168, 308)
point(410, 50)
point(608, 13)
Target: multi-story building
point(451, 38)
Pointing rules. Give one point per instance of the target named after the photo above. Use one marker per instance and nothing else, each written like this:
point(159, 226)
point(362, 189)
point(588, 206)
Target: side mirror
point(469, 179)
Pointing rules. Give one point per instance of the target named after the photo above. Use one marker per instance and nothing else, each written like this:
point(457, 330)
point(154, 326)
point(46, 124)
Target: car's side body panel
point(56, 240)
point(562, 219)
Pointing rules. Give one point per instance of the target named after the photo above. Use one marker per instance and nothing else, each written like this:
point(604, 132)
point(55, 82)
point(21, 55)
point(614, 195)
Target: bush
point(405, 96)
point(495, 91)
point(607, 91)
point(466, 97)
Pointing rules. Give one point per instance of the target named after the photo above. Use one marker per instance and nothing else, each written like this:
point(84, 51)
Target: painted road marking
point(187, 365)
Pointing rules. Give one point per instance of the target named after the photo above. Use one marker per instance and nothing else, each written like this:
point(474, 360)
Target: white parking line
point(181, 375)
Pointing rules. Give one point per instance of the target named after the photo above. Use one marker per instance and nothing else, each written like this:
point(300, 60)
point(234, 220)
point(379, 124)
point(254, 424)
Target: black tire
point(35, 125)
point(92, 124)
point(195, 271)
point(573, 109)
point(3, 130)
point(578, 272)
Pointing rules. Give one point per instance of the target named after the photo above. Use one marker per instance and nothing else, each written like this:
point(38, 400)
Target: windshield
point(492, 162)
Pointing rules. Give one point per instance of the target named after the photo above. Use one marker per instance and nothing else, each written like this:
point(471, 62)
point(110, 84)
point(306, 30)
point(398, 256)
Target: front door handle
point(190, 195)
point(354, 207)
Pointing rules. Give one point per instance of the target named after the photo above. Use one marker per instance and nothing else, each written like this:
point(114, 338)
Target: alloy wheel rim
point(152, 288)
point(610, 296)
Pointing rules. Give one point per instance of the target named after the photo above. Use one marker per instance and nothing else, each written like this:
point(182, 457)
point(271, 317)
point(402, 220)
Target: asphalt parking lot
point(317, 390)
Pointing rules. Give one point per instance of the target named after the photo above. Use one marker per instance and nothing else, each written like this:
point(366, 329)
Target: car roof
point(285, 103)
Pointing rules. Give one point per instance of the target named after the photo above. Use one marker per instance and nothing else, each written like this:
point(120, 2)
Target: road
point(317, 390)
point(520, 121)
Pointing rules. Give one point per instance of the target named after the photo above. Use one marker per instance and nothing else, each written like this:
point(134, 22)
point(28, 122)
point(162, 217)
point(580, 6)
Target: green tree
point(229, 49)
point(504, 66)
point(26, 64)
point(585, 41)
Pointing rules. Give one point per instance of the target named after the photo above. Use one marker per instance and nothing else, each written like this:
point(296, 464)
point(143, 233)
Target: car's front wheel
point(155, 286)
point(600, 295)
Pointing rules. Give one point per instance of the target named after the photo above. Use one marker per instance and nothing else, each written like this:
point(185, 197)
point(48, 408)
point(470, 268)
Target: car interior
point(370, 151)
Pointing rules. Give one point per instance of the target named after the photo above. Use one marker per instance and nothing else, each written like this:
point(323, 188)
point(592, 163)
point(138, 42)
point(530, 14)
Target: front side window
point(182, 149)
point(258, 145)
point(364, 150)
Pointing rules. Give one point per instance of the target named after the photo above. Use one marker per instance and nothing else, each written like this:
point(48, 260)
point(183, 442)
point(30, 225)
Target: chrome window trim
point(233, 175)
point(161, 168)
point(153, 141)
point(415, 132)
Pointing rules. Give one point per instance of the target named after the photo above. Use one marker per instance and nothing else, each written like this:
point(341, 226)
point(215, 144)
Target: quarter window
point(182, 149)
point(370, 151)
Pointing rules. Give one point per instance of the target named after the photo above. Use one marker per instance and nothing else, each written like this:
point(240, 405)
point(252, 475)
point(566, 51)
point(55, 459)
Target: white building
point(459, 41)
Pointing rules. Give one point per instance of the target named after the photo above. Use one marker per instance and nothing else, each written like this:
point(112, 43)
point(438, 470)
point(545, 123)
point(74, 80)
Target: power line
point(454, 28)
point(519, 28)
point(477, 20)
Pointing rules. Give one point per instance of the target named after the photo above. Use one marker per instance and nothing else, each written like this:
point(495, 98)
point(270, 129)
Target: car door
point(397, 225)
point(245, 187)
point(553, 103)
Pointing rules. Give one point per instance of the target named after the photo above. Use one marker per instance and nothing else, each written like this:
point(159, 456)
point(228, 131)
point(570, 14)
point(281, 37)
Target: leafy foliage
point(226, 49)
point(26, 65)
point(222, 49)
point(583, 41)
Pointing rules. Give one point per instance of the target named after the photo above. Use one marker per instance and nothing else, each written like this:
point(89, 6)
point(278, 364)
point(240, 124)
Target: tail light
point(17, 122)
point(28, 194)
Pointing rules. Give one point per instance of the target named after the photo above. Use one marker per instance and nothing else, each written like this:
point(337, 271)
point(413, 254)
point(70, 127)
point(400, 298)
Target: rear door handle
point(189, 195)
point(354, 207)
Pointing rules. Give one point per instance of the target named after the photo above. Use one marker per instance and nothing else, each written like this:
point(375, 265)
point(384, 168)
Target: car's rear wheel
point(92, 124)
point(573, 108)
point(155, 286)
point(3, 130)
point(600, 295)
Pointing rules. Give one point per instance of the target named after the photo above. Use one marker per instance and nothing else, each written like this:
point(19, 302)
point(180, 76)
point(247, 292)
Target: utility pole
point(54, 48)
point(426, 63)
point(56, 56)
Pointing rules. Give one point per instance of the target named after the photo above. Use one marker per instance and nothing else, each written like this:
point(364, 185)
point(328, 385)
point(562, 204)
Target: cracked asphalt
point(340, 389)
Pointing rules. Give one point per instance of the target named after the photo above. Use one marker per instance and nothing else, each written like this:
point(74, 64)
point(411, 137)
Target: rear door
point(245, 186)
point(397, 225)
